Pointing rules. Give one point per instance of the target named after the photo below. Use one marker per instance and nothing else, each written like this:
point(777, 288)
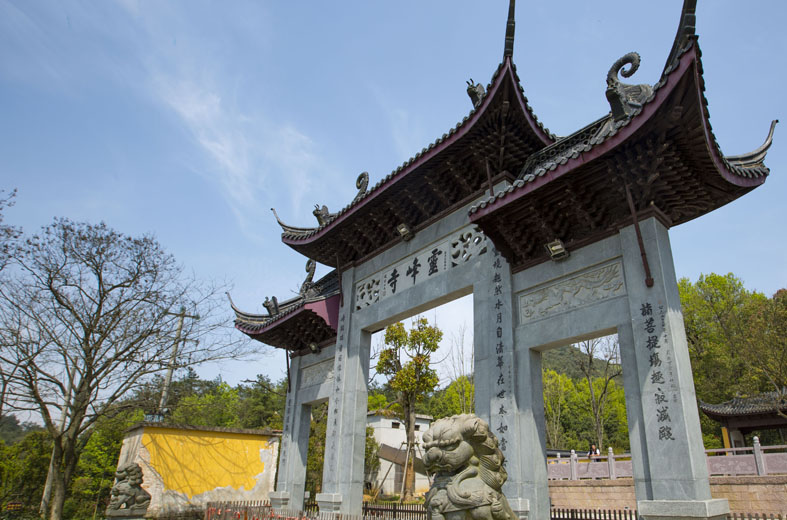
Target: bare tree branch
point(87, 316)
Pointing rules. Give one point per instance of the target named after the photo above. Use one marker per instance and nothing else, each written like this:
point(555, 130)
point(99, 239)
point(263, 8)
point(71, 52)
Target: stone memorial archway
point(557, 239)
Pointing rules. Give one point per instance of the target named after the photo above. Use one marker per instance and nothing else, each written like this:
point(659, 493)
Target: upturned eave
point(316, 242)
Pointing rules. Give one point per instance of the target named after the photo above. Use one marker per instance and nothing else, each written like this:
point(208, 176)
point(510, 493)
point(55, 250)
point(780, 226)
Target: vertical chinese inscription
point(335, 399)
point(502, 356)
point(661, 377)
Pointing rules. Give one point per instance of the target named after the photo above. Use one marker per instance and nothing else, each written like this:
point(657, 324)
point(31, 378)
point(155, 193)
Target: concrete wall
point(764, 495)
point(184, 468)
point(385, 433)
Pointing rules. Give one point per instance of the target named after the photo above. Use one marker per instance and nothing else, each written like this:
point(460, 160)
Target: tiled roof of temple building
point(297, 322)
point(655, 149)
point(764, 403)
point(492, 141)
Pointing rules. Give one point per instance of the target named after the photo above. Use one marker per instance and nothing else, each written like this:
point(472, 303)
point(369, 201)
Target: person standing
point(593, 453)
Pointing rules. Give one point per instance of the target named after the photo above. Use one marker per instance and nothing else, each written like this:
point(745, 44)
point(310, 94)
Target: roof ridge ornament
point(755, 156)
point(508, 52)
point(687, 28)
point(323, 215)
point(290, 229)
point(308, 287)
point(271, 305)
point(625, 99)
point(475, 91)
point(362, 182)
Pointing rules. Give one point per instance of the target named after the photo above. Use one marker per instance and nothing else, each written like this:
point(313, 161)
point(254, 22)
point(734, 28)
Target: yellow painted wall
point(193, 462)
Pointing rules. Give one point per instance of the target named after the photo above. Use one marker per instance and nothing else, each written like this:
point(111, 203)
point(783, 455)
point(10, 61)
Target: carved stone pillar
point(670, 470)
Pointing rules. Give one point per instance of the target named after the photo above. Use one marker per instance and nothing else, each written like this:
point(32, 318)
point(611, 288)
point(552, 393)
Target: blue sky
point(190, 119)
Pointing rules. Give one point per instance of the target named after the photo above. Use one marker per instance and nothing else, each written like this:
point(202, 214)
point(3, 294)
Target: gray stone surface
point(598, 290)
point(716, 508)
point(280, 499)
point(346, 431)
point(666, 440)
point(329, 502)
point(291, 477)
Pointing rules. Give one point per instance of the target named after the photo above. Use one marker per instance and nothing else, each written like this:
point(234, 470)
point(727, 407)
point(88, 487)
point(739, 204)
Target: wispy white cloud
point(407, 129)
point(219, 133)
point(253, 156)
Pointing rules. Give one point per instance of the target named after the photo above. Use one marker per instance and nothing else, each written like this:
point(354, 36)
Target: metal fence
point(754, 516)
point(557, 513)
point(390, 511)
point(259, 510)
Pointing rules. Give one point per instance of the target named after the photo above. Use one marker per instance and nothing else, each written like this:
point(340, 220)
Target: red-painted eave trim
point(686, 61)
point(710, 141)
point(540, 133)
point(327, 309)
point(506, 71)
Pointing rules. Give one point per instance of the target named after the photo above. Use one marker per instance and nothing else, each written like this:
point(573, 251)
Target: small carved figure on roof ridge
point(323, 215)
point(623, 98)
point(308, 288)
point(475, 91)
point(362, 182)
point(271, 305)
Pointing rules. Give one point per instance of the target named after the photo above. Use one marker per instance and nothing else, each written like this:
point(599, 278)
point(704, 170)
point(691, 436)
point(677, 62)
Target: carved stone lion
point(462, 454)
point(128, 497)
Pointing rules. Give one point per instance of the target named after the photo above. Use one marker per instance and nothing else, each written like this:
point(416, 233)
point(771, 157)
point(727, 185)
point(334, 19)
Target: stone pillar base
point(714, 509)
point(329, 502)
point(279, 499)
point(520, 507)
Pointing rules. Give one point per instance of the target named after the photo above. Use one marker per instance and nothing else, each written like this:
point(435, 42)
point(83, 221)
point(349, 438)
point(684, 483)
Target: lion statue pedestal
point(463, 456)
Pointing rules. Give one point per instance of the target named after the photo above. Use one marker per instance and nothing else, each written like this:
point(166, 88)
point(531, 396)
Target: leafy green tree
point(371, 462)
point(316, 452)
point(262, 403)
point(23, 469)
point(767, 356)
point(735, 336)
point(715, 312)
point(456, 398)
point(219, 407)
point(12, 431)
point(600, 355)
point(557, 390)
point(376, 401)
point(406, 361)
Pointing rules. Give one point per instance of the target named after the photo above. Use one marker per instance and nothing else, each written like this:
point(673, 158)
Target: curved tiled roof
point(765, 403)
point(656, 149)
point(422, 168)
point(574, 146)
point(250, 323)
point(291, 234)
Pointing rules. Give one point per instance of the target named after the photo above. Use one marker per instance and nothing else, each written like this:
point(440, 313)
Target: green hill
point(565, 360)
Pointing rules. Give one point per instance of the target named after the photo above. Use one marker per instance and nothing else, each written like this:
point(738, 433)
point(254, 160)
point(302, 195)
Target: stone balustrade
point(755, 460)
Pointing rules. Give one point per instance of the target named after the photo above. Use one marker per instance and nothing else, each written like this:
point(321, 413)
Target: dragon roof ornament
point(625, 99)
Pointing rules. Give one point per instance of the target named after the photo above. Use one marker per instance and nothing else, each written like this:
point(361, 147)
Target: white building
point(391, 435)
